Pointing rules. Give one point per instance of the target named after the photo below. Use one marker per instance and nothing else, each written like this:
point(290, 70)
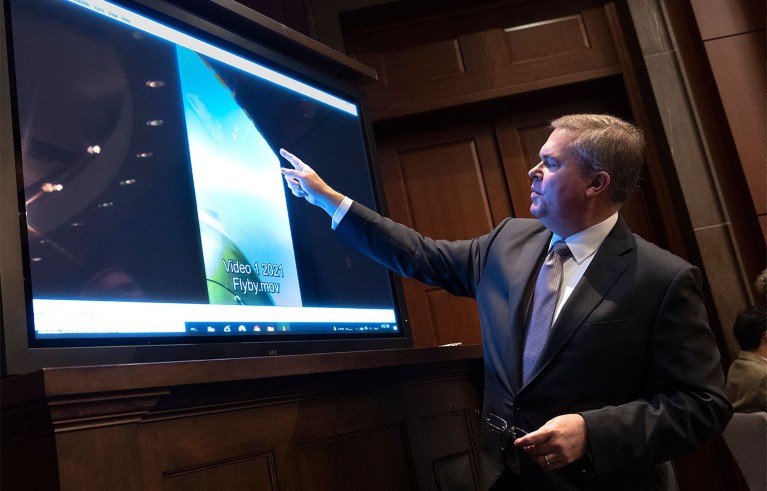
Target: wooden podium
point(394, 419)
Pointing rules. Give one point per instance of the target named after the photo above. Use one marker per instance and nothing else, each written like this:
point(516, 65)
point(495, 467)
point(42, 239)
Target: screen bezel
point(19, 354)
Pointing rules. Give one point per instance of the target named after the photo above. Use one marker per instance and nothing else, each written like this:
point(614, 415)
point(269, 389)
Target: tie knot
point(560, 248)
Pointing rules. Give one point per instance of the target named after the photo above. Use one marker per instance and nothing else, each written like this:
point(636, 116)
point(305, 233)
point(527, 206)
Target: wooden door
point(447, 182)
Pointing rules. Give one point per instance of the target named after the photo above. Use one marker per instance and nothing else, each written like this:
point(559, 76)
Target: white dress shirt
point(583, 245)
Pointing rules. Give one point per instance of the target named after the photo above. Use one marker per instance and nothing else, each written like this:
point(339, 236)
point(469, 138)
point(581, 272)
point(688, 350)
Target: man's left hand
point(559, 442)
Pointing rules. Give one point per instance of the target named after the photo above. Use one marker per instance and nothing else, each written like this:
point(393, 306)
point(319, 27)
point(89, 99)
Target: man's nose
point(534, 172)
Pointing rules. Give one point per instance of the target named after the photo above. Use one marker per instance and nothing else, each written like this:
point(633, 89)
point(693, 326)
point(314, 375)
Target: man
point(747, 376)
point(628, 375)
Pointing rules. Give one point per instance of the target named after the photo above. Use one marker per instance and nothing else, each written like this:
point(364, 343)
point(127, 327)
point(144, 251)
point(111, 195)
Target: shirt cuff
point(341, 211)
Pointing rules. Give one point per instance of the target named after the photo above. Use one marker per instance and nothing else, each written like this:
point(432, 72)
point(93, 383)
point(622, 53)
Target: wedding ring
point(546, 458)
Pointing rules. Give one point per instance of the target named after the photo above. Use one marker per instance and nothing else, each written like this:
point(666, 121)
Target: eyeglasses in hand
point(496, 424)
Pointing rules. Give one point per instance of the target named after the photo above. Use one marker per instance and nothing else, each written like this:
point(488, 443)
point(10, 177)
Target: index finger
point(532, 439)
point(294, 161)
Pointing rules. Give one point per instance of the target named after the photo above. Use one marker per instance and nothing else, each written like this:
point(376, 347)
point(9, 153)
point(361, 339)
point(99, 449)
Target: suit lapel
point(605, 269)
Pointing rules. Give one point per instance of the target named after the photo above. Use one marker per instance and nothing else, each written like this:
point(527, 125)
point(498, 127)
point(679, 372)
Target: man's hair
point(749, 328)
point(606, 143)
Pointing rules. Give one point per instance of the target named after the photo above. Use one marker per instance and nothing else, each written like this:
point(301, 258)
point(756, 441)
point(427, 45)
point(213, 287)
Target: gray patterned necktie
point(544, 303)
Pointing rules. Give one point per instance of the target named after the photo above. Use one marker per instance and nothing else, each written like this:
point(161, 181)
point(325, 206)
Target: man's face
point(558, 189)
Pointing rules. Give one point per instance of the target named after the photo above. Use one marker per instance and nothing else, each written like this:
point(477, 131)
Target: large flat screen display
point(152, 208)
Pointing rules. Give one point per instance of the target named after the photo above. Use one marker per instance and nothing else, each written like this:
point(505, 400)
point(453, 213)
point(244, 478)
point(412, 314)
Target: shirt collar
point(586, 242)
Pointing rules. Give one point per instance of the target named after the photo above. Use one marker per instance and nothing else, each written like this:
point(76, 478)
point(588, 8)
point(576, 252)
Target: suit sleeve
point(684, 406)
point(452, 265)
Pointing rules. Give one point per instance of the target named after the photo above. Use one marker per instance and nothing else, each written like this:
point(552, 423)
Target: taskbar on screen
point(258, 328)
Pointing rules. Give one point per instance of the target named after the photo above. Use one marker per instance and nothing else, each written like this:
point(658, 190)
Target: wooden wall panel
point(445, 443)
point(569, 36)
point(446, 191)
point(457, 317)
point(376, 460)
point(574, 44)
point(356, 440)
point(452, 472)
point(426, 70)
point(443, 59)
point(423, 325)
point(195, 448)
point(87, 459)
point(449, 436)
point(246, 472)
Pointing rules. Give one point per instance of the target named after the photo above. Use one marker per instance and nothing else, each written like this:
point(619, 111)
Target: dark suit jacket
point(631, 350)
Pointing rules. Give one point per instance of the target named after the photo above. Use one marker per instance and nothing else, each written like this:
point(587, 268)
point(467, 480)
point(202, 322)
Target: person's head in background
point(750, 330)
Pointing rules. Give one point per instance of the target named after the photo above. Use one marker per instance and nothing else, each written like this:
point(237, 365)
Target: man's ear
point(598, 185)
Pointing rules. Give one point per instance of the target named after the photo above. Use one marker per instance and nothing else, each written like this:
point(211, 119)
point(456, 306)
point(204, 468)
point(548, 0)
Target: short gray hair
point(606, 143)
